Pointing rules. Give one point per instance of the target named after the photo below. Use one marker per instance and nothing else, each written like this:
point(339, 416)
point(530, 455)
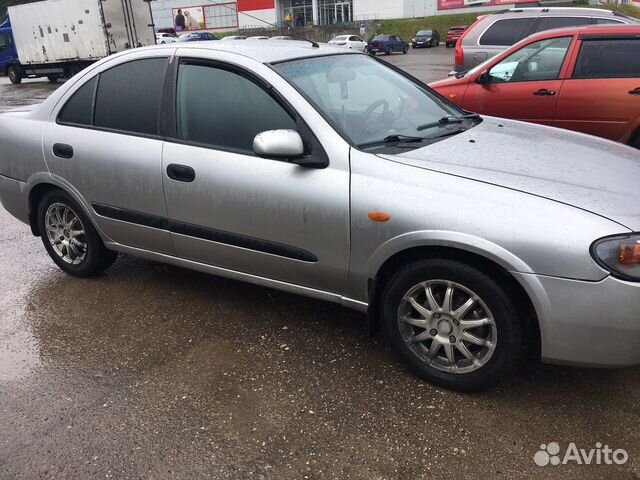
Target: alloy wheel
point(447, 326)
point(66, 233)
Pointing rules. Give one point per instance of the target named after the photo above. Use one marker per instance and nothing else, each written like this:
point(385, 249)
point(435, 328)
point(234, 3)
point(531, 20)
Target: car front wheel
point(70, 238)
point(453, 324)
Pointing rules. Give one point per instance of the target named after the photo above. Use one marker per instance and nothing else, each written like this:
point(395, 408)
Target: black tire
point(387, 51)
point(15, 74)
point(406, 50)
point(636, 141)
point(498, 298)
point(97, 258)
point(53, 78)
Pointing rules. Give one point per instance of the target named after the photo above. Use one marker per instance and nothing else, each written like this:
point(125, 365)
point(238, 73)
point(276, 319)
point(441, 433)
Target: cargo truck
point(58, 38)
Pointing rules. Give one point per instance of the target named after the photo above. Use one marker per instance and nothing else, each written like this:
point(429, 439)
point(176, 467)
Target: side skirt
point(240, 276)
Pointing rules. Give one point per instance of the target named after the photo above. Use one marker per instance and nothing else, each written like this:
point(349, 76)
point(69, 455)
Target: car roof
point(572, 11)
point(604, 30)
point(265, 52)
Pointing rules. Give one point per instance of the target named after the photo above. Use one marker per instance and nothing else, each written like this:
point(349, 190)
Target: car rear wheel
point(70, 238)
point(53, 78)
point(453, 324)
point(636, 141)
point(15, 74)
point(387, 51)
point(406, 50)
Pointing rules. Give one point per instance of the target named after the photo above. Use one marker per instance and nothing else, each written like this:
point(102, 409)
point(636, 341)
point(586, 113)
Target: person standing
point(287, 20)
point(180, 21)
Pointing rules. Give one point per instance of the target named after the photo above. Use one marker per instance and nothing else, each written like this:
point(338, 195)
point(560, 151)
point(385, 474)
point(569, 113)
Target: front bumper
point(14, 197)
point(586, 323)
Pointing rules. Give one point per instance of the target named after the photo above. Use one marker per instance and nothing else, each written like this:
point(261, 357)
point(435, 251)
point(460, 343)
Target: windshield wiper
point(395, 138)
point(448, 120)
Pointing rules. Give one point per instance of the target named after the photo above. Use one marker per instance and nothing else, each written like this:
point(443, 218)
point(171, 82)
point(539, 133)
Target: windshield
point(423, 32)
point(367, 101)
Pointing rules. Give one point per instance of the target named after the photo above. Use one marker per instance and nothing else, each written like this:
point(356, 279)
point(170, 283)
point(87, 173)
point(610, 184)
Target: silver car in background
point(328, 173)
point(492, 34)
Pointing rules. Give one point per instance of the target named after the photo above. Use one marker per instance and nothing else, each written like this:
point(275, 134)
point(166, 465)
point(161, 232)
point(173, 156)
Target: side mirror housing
point(285, 144)
point(484, 78)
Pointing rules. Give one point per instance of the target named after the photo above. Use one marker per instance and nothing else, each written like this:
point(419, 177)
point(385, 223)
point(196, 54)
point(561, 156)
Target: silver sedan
point(325, 172)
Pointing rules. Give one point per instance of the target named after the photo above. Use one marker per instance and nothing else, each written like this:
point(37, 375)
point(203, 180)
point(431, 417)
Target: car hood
point(586, 172)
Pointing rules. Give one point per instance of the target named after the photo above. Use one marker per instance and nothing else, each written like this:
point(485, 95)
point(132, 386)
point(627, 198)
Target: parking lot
point(151, 371)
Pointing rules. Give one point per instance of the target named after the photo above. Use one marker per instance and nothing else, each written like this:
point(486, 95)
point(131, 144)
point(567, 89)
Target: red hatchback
point(585, 79)
point(454, 34)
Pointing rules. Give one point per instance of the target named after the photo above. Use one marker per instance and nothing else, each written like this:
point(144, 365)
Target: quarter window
point(79, 109)
point(507, 32)
point(537, 61)
point(615, 58)
point(222, 108)
point(129, 96)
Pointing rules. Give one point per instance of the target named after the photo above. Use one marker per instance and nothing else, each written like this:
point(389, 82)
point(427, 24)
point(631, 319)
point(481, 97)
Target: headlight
point(413, 39)
point(619, 254)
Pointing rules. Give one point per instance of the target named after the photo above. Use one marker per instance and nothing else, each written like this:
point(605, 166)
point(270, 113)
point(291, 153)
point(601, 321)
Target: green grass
point(407, 27)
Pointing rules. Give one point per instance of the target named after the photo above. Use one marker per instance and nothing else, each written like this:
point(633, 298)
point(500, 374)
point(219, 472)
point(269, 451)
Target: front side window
point(616, 58)
point(537, 61)
point(364, 99)
point(221, 108)
point(507, 32)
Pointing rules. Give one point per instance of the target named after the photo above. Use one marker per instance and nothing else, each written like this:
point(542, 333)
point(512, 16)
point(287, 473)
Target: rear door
point(104, 143)
point(524, 85)
point(602, 97)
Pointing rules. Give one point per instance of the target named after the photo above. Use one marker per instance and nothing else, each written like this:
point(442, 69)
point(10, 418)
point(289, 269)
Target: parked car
point(387, 44)
point(454, 34)
point(162, 38)
point(468, 239)
point(426, 38)
point(585, 79)
point(234, 37)
point(282, 37)
point(349, 41)
point(196, 37)
point(258, 37)
point(172, 31)
point(492, 34)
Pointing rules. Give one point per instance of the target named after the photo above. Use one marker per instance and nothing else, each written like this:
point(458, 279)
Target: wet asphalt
point(152, 371)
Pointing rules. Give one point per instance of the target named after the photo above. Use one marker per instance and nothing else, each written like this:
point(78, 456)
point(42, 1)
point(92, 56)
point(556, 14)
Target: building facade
point(225, 15)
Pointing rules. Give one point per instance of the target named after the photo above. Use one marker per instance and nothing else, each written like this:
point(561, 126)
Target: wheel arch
point(482, 261)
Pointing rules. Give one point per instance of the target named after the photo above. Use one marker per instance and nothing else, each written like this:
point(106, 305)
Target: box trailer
point(57, 38)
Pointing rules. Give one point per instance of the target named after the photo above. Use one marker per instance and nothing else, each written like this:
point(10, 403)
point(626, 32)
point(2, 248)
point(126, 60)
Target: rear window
point(602, 21)
point(547, 23)
point(381, 38)
point(614, 58)
point(341, 37)
point(507, 32)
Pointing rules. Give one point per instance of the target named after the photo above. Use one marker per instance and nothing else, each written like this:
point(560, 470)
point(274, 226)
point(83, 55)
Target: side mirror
point(484, 78)
point(278, 144)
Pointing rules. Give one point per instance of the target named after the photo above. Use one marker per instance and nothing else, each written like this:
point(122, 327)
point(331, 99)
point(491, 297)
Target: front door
point(603, 95)
point(525, 85)
point(245, 213)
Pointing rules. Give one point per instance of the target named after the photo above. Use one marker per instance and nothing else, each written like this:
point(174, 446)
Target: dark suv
point(426, 38)
point(387, 44)
point(492, 34)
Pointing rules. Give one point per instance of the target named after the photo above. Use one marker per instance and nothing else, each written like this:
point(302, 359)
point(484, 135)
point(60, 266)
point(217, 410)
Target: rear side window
point(602, 21)
point(547, 23)
point(79, 109)
point(616, 58)
point(129, 96)
point(507, 32)
point(224, 109)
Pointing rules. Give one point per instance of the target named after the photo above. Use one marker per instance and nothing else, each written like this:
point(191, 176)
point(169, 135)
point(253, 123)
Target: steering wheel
point(362, 128)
